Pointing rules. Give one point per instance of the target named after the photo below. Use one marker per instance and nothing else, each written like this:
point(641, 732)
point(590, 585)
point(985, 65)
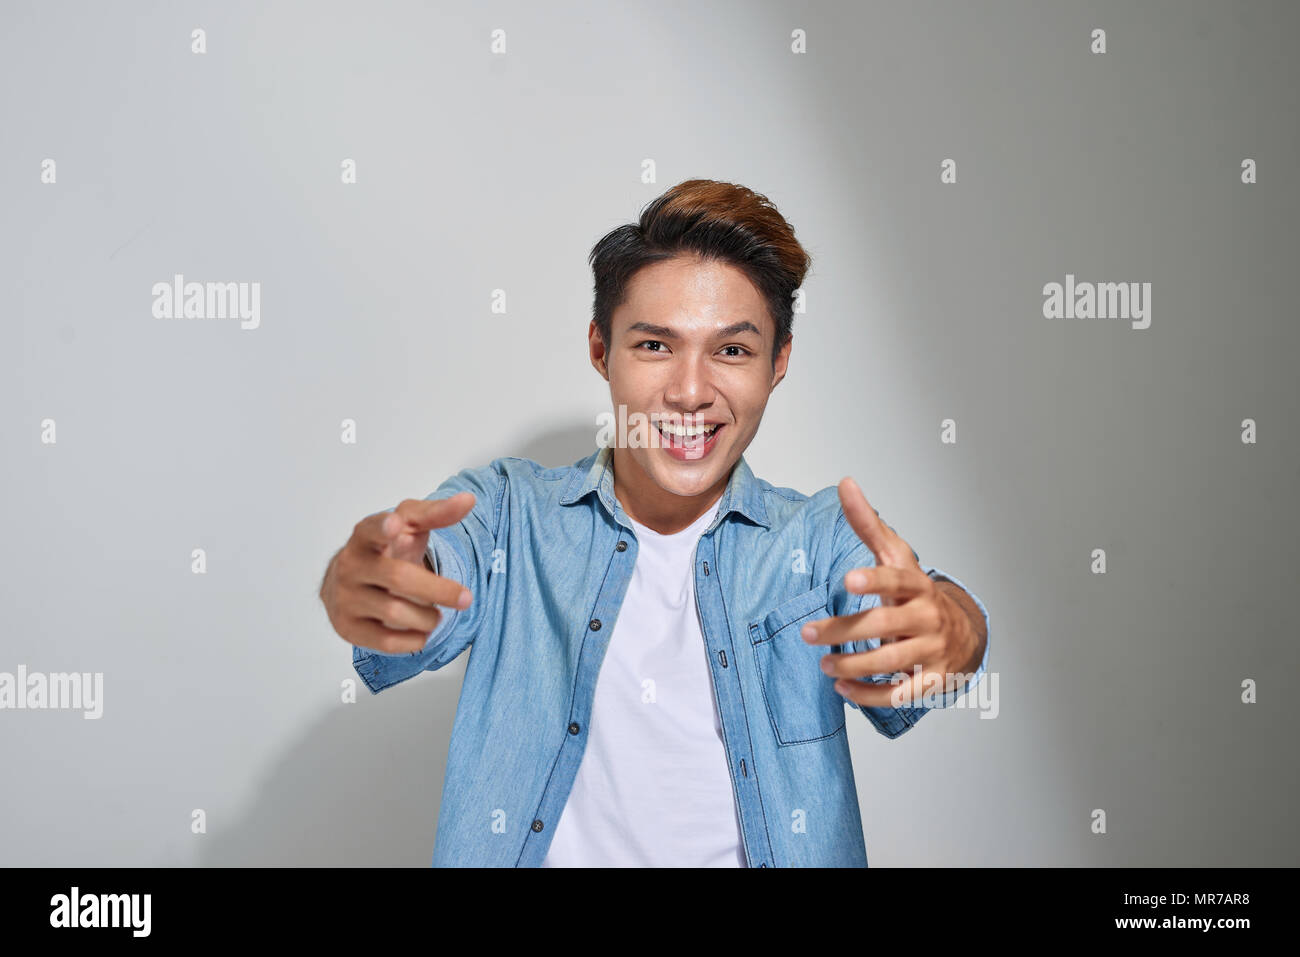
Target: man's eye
point(650, 342)
point(740, 350)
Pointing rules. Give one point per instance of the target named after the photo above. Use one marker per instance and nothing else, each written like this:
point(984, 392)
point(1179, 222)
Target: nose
point(690, 385)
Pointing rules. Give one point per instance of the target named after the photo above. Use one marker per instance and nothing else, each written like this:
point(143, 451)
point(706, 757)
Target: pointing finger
point(416, 515)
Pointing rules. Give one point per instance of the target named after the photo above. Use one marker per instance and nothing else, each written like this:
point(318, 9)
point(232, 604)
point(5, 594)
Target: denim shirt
point(548, 554)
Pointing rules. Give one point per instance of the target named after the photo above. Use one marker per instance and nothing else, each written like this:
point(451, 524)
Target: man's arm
point(863, 541)
point(462, 552)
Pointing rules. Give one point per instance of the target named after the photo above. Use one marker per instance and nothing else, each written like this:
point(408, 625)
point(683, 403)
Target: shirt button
point(595, 624)
point(621, 546)
point(573, 727)
point(537, 825)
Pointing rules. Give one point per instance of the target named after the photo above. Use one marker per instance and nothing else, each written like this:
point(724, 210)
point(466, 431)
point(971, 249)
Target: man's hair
point(720, 221)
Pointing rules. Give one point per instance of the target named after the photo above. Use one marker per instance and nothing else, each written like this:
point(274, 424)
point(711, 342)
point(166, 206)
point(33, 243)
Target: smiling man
point(663, 644)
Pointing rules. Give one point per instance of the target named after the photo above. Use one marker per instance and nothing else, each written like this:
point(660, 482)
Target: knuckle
point(345, 566)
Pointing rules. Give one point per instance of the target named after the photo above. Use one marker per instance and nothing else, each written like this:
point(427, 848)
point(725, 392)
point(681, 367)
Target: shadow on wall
point(362, 787)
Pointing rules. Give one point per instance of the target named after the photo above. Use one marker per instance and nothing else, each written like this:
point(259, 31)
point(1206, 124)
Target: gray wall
point(1119, 691)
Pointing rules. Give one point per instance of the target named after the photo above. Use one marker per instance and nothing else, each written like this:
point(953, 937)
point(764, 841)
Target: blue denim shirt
point(548, 553)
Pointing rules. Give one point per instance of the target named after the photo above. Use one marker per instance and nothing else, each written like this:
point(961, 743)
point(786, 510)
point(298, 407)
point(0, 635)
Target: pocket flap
point(809, 604)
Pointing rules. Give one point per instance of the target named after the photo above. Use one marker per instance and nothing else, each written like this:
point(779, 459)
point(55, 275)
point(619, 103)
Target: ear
point(781, 362)
point(597, 352)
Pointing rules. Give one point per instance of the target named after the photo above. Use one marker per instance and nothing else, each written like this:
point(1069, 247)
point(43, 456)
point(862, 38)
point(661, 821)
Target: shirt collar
point(595, 473)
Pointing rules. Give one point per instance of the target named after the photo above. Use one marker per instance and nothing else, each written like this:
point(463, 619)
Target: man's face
point(690, 347)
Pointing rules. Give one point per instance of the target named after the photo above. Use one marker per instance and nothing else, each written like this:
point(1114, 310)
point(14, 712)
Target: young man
point(663, 644)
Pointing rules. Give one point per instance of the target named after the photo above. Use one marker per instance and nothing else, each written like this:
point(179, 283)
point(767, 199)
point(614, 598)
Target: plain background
point(479, 172)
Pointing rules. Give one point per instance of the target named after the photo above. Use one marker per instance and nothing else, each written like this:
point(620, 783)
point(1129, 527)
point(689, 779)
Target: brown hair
point(722, 221)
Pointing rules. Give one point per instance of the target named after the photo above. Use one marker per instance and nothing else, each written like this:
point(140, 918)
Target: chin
point(685, 478)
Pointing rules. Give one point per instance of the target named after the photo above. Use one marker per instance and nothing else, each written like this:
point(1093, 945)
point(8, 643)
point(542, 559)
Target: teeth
point(686, 431)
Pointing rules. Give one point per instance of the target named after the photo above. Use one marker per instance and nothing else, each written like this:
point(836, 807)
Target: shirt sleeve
point(850, 552)
point(463, 552)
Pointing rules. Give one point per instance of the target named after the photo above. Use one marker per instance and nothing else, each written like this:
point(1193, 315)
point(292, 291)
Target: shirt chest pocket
point(801, 701)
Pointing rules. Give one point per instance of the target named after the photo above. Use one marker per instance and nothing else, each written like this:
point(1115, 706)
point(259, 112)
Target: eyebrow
point(734, 329)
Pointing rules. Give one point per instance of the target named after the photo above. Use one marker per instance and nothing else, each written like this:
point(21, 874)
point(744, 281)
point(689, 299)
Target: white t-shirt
point(653, 789)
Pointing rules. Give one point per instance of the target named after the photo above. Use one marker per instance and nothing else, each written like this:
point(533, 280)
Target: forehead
point(691, 294)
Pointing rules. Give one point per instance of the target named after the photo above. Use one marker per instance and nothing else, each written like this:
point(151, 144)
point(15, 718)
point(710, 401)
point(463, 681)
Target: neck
point(655, 507)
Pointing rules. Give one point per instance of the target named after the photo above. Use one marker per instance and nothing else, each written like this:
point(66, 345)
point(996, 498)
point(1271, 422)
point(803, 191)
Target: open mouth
point(688, 441)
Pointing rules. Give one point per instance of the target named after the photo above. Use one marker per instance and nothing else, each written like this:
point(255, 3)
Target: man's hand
point(378, 592)
point(918, 624)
